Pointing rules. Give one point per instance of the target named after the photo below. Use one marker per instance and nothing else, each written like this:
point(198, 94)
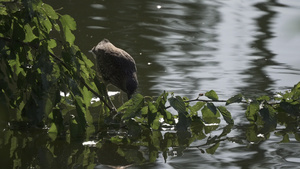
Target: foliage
point(284, 109)
point(34, 80)
point(46, 79)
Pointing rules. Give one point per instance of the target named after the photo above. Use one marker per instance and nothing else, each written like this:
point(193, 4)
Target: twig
point(203, 100)
point(207, 101)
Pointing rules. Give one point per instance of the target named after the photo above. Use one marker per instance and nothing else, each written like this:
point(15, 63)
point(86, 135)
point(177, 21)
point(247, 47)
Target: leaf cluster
point(282, 109)
point(35, 80)
point(155, 114)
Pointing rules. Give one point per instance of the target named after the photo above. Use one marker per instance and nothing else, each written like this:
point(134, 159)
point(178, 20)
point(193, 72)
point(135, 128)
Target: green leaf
point(197, 106)
point(162, 99)
point(13, 146)
point(212, 95)
point(16, 65)
point(49, 11)
point(153, 116)
point(296, 92)
point(29, 36)
point(87, 96)
point(285, 139)
point(144, 110)
point(212, 149)
point(184, 121)
point(81, 112)
point(48, 105)
point(210, 117)
point(46, 24)
point(226, 114)
point(156, 139)
point(132, 107)
point(51, 44)
point(235, 99)
point(178, 104)
point(69, 22)
point(155, 124)
point(292, 108)
point(252, 112)
point(68, 25)
point(262, 98)
point(213, 108)
point(53, 128)
point(3, 10)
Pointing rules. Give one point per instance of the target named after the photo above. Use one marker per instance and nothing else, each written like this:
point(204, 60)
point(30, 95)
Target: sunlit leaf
point(152, 114)
point(49, 11)
point(210, 117)
point(226, 114)
point(296, 92)
point(235, 99)
point(3, 10)
point(262, 98)
point(13, 145)
point(29, 35)
point(52, 43)
point(16, 65)
point(197, 106)
point(168, 117)
point(162, 99)
point(116, 139)
point(46, 24)
point(53, 128)
point(144, 110)
point(48, 105)
point(212, 95)
point(87, 96)
point(69, 22)
point(68, 25)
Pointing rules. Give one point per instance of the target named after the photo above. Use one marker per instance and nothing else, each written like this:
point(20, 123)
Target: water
point(247, 47)
point(190, 47)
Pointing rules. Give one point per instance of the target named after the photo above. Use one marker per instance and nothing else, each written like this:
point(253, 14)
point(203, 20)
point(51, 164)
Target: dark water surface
point(190, 47)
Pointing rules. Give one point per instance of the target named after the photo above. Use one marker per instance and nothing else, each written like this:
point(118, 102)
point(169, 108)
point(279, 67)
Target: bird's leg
point(114, 109)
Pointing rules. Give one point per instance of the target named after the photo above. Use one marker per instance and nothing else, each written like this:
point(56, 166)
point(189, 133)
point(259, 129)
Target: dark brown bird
point(116, 66)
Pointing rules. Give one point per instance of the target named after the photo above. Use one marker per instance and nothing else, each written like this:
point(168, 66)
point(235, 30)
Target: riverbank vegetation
point(48, 83)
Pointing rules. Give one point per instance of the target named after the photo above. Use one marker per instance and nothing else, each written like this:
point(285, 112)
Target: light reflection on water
point(249, 47)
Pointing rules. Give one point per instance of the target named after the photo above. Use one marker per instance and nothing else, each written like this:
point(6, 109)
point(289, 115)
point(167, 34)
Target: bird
point(116, 67)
